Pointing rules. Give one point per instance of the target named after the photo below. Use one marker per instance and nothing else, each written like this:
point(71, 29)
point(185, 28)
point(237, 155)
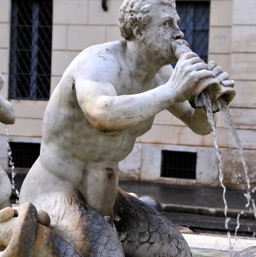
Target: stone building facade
point(78, 24)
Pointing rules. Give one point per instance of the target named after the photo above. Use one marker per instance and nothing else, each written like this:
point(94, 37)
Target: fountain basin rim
point(217, 212)
point(213, 242)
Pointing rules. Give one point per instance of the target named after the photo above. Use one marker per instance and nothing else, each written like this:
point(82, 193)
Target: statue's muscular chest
point(129, 83)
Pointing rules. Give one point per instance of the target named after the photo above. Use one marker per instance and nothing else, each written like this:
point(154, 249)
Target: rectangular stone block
point(221, 13)
point(54, 82)
point(244, 118)
point(243, 66)
point(61, 60)
point(113, 33)
point(245, 94)
point(81, 37)
point(244, 39)
point(4, 57)
point(26, 128)
point(222, 59)
point(5, 8)
point(5, 35)
point(247, 138)
point(244, 12)
point(59, 37)
point(166, 118)
point(176, 135)
point(220, 40)
point(234, 172)
point(70, 12)
point(29, 109)
point(99, 17)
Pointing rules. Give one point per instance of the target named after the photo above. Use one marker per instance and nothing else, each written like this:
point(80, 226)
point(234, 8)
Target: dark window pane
point(178, 164)
point(24, 154)
point(30, 55)
point(194, 17)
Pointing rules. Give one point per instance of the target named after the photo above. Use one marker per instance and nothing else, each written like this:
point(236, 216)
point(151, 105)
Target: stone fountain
point(70, 202)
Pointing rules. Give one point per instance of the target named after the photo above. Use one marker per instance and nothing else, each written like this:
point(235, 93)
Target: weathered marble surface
point(6, 117)
point(6, 110)
point(107, 97)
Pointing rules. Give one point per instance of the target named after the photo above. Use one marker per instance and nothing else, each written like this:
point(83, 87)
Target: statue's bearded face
point(138, 11)
point(162, 29)
point(156, 22)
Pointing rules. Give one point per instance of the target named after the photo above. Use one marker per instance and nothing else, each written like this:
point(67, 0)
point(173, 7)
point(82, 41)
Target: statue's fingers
point(199, 66)
point(212, 65)
point(191, 57)
point(228, 83)
point(216, 71)
point(201, 74)
point(223, 76)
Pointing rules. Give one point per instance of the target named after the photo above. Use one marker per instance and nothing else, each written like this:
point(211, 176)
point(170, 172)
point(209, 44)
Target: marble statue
point(107, 97)
point(6, 110)
point(6, 117)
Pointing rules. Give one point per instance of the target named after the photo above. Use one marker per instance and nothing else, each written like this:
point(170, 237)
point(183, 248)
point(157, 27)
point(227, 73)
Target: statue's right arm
point(96, 80)
point(107, 111)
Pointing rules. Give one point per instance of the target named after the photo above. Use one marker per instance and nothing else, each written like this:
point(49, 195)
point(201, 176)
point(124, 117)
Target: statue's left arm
point(196, 119)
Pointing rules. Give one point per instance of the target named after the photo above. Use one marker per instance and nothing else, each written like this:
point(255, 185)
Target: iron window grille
point(177, 164)
point(30, 51)
point(194, 16)
point(24, 154)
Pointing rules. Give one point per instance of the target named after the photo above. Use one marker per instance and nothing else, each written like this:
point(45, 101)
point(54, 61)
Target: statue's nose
point(178, 34)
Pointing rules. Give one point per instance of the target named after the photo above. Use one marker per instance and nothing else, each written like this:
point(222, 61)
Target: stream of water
point(11, 162)
point(208, 106)
point(230, 126)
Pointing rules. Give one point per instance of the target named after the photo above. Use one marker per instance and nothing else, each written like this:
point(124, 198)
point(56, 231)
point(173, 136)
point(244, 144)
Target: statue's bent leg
point(88, 231)
point(146, 232)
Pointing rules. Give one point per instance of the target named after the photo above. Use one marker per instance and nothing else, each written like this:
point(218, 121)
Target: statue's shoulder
point(100, 50)
point(106, 53)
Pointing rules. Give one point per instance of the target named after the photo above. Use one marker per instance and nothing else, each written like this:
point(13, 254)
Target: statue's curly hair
point(137, 11)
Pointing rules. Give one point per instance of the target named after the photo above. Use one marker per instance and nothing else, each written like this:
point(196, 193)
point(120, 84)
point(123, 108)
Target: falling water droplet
point(230, 125)
point(208, 106)
point(13, 173)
